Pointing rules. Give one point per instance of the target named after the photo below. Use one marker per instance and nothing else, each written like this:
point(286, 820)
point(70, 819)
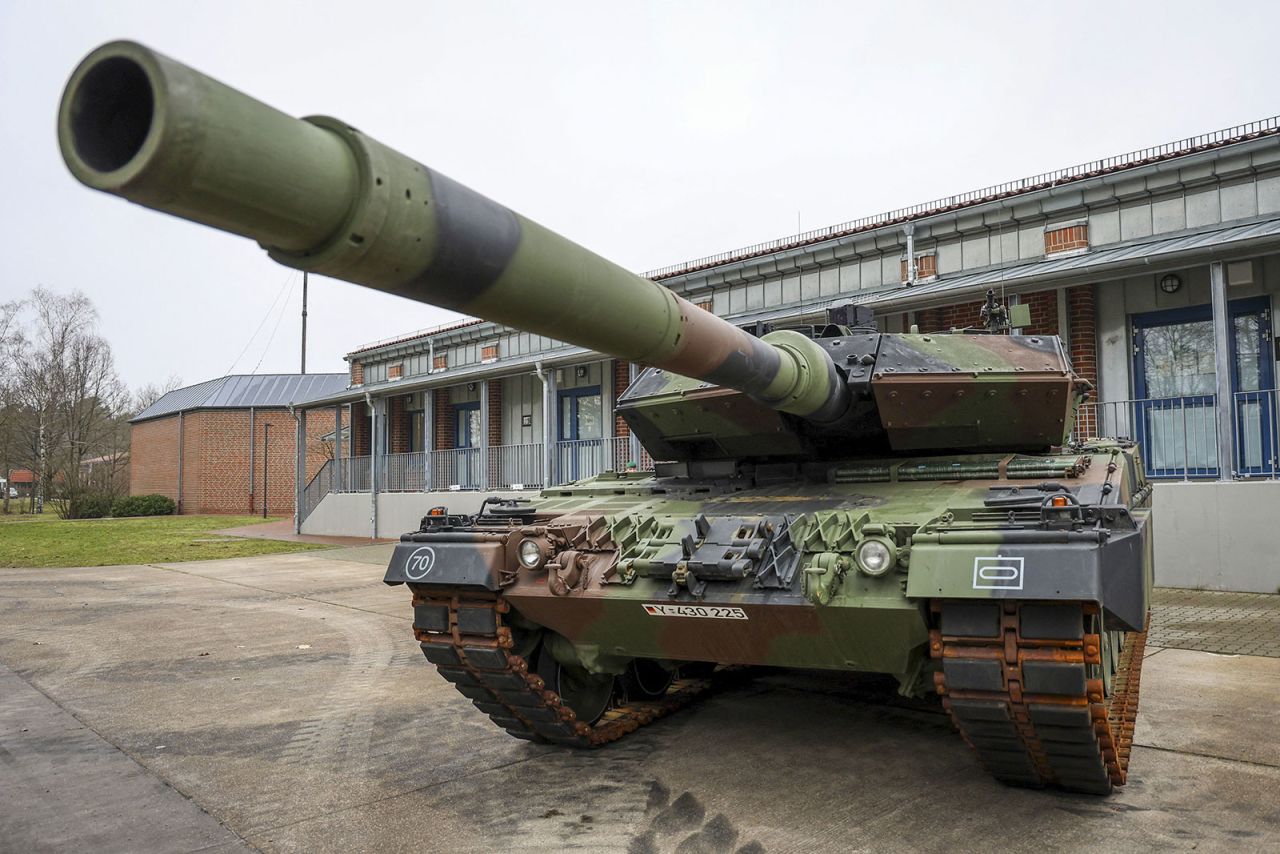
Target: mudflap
point(456, 559)
point(1115, 572)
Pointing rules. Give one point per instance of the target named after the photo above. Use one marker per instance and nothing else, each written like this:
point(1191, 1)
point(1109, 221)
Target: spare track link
point(1023, 683)
point(464, 636)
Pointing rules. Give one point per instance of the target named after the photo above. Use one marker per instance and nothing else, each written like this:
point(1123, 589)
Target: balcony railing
point(1179, 435)
point(503, 467)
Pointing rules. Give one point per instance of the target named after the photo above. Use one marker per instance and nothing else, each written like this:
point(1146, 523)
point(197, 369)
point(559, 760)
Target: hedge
point(143, 505)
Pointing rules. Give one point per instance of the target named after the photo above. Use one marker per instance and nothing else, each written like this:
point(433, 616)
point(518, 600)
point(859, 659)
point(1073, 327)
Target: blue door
point(1175, 380)
point(581, 448)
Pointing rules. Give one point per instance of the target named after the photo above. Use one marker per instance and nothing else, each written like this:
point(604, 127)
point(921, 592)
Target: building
point(20, 483)
point(228, 445)
point(1158, 268)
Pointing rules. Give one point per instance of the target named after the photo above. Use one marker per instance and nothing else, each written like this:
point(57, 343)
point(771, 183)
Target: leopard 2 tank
point(835, 497)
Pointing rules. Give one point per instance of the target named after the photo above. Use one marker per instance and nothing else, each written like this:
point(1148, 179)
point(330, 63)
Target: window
point(466, 425)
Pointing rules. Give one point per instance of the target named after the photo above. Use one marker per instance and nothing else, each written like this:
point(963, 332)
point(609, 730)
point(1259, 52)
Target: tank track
point(1026, 685)
point(463, 635)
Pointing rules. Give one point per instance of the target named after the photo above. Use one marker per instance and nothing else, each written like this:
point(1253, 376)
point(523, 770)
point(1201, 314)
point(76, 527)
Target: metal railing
point(1179, 435)
point(515, 466)
point(320, 485)
point(1190, 145)
point(403, 473)
point(504, 467)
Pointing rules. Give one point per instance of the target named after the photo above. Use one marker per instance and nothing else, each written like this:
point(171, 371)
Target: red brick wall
point(926, 267)
point(444, 420)
point(1064, 239)
point(216, 459)
point(357, 373)
point(495, 412)
point(397, 426)
point(1083, 347)
point(621, 379)
point(360, 430)
point(1043, 306)
point(153, 457)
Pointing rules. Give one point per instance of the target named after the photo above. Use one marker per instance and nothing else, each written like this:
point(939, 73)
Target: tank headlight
point(875, 557)
point(530, 553)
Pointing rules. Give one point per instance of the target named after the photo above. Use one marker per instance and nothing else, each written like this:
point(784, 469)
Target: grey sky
point(651, 133)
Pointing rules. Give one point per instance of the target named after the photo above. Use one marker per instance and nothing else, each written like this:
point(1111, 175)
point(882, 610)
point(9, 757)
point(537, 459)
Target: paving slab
point(1209, 704)
point(65, 788)
point(285, 697)
point(1216, 621)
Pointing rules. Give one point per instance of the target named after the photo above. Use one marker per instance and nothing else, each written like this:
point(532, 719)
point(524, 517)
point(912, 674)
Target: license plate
point(711, 612)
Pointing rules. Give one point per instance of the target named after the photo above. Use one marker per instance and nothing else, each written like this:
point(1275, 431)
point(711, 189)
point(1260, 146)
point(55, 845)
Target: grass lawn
point(46, 540)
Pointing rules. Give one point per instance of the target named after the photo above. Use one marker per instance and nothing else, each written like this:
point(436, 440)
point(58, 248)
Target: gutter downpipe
point(548, 379)
point(299, 465)
point(910, 230)
point(1222, 365)
point(373, 464)
point(182, 449)
point(252, 446)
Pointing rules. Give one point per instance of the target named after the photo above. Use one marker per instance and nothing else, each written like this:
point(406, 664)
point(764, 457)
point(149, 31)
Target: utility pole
point(304, 321)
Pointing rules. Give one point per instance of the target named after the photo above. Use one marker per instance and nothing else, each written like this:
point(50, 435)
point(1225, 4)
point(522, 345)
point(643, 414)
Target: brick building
point(209, 446)
point(1157, 268)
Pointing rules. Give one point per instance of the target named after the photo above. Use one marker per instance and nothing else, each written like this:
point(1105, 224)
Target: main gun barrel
point(323, 197)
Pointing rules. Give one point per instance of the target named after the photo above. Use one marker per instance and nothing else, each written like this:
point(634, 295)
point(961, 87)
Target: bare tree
point(151, 392)
point(69, 400)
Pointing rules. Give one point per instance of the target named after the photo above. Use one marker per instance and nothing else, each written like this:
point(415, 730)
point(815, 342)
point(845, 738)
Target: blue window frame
point(466, 425)
point(580, 429)
point(580, 413)
point(1174, 373)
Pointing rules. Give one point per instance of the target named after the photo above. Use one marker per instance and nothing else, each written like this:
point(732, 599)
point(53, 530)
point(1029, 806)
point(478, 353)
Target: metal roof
point(1182, 247)
point(241, 391)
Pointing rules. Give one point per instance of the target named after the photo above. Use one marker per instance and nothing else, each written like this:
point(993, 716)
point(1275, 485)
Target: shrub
point(88, 505)
point(143, 505)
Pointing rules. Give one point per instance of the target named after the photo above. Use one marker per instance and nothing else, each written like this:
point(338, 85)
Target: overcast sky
point(653, 134)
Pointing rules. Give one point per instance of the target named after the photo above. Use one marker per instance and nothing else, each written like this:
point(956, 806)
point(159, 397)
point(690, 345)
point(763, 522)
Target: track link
point(464, 636)
point(1027, 686)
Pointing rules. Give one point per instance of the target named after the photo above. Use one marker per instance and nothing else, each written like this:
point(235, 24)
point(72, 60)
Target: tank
point(833, 497)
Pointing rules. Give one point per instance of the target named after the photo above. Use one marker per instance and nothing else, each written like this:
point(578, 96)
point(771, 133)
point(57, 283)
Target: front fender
point(449, 559)
point(1113, 571)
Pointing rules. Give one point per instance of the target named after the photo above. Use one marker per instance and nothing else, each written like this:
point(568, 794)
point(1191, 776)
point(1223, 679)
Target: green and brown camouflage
point(838, 498)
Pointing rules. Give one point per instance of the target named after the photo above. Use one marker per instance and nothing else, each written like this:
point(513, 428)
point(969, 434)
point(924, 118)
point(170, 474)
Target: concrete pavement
point(285, 698)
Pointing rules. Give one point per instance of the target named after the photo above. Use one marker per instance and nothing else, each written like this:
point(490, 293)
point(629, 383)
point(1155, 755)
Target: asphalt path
point(280, 703)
